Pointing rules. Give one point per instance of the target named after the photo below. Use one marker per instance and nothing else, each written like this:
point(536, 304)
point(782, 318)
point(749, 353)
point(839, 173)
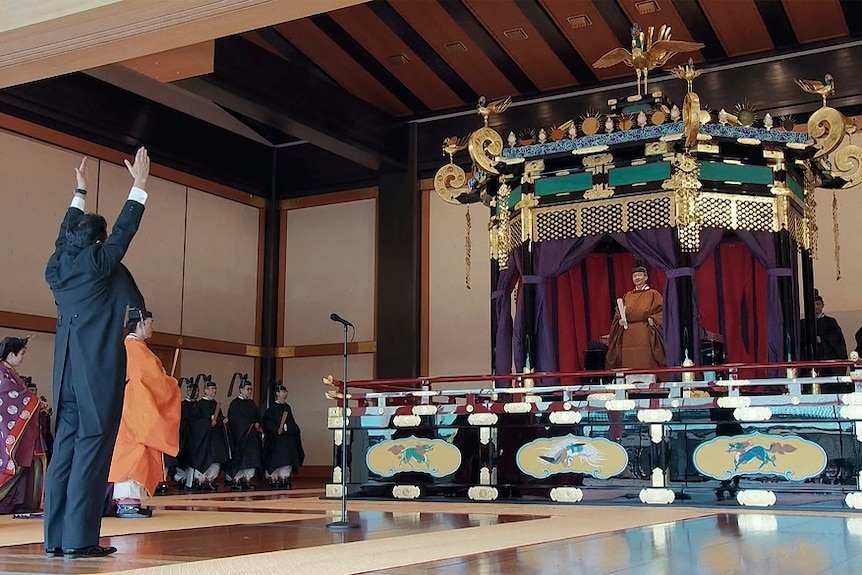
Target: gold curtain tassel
point(835, 232)
point(467, 248)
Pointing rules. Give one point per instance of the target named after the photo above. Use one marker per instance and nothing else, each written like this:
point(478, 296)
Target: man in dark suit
point(92, 291)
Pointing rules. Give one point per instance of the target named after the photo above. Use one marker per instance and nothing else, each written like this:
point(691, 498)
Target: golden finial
point(687, 73)
point(492, 109)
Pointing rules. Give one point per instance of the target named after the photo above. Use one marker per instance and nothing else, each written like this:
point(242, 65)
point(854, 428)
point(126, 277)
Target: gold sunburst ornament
point(591, 123)
point(745, 113)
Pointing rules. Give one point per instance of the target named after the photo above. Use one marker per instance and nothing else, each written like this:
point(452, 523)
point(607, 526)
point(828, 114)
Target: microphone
point(339, 319)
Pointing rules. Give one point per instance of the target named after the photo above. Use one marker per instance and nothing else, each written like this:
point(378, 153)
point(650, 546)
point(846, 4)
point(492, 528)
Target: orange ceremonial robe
point(641, 345)
point(150, 425)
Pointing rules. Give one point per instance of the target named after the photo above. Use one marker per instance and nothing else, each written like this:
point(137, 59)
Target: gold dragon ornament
point(645, 54)
point(827, 129)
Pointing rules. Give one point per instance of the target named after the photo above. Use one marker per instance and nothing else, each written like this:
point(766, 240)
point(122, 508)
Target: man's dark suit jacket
point(92, 290)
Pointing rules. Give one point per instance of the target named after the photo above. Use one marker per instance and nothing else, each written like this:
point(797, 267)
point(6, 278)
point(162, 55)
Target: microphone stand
point(344, 524)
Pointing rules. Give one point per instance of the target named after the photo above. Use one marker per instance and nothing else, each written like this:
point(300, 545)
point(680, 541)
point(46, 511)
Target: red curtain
point(731, 287)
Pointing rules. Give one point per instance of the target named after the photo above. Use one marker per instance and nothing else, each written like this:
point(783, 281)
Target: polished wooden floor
point(720, 542)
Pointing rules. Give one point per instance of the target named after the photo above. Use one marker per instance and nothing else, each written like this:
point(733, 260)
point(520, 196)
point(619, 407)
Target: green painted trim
point(795, 187)
point(636, 174)
point(563, 184)
point(514, 197)
point(721, 172)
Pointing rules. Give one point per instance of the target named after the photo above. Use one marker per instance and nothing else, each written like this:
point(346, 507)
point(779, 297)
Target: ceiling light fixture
point(647, 7)
point(515, 34)
point(579, 21)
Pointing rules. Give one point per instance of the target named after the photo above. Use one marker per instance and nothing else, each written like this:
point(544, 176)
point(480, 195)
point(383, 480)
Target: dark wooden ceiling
point(415, 57)
point(334, 100)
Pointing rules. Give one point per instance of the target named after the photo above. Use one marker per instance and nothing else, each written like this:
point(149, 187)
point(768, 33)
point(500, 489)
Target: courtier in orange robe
point(637, 341)
point(150, 425)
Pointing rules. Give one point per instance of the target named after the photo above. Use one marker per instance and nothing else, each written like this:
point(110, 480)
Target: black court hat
point(138, 314)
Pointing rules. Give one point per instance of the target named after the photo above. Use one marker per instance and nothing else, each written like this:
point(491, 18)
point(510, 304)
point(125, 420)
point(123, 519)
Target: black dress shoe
point(54, 552)
point(91, 551)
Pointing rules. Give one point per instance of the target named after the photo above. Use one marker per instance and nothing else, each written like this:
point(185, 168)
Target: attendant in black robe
point(208, 448)
point(829, 344)
point(283, 453)
point(243, 419)
point(92, 292)
point(181, 465)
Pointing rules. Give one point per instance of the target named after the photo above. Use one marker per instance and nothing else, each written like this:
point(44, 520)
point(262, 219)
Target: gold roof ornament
point(496, 107)
point(687, 72)
point(691, 112)
point(646, 54)
point(823, 89)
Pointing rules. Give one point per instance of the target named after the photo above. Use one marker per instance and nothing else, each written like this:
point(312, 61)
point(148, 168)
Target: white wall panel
point(330, 263)
point(220, 285)
point(459, 318)
point(38, 182)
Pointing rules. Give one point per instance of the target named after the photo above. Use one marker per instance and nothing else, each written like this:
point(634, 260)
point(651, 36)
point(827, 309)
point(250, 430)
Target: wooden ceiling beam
point(178, 64)
point(52, 37)
point(298, 103)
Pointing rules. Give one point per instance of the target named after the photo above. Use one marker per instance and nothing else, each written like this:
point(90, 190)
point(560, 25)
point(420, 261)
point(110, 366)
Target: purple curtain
point(503, 308)
point(550, 259)
point(764, 248)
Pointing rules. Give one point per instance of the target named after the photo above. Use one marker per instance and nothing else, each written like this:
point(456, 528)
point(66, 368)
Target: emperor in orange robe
point(150, 425)
point(637, 341)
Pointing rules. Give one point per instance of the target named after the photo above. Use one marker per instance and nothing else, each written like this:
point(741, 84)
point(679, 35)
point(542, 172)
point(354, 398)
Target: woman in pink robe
point(22, 456)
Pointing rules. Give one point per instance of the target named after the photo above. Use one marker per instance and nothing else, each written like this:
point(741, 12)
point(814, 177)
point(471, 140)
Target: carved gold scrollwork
point(691, 119)
point(827, 127)
point(685, 184)
point(501, 230)
point(848, 164)
point(484, 147)
point(449, 183)
point(598, 164)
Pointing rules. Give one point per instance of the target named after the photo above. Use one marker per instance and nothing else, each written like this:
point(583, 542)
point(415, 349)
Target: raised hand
point(82, 174)
point(140, 170)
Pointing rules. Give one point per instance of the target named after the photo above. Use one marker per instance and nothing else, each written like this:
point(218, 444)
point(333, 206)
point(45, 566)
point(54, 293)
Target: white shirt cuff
point(138, 195)
point(77, 203)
